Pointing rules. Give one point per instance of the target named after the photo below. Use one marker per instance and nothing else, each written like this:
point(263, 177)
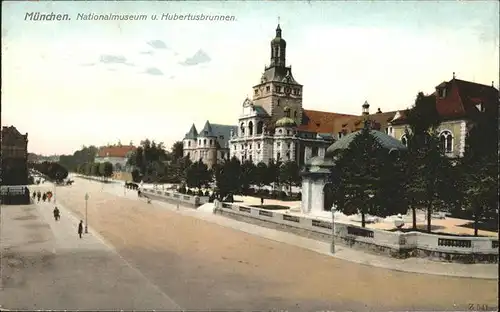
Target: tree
point(358, 172)
point(106, 169)
point(83, 155)
point(426, 167)
point(177, 150)
point(261, 172)
point(289, 174)
point(94, 169)
point(136, 175)
point(479, 169)
point(248, 171)
point(228, 177)
point(273, 173)
point(198, 175)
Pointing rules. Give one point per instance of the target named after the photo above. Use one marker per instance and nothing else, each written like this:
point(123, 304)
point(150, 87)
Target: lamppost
point(332, 249)
point(86, 215)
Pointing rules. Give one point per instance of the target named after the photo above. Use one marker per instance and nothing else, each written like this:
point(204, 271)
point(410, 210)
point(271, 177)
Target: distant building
point(14, 157)
point(116, 155)
point(273, 125)
point(458, 102)
point(210, 144)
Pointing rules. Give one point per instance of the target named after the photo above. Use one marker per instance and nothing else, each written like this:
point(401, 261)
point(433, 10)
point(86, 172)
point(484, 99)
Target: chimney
point(366, 108)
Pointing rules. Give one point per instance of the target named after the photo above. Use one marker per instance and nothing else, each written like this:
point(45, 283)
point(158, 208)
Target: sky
point(73, 83)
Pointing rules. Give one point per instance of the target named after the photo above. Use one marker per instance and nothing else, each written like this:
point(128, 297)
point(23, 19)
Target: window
point(278, 104)
point(287, 132)
point(442, 92)
point(278, 144)
point(250, 158)
point(204, 142)
point(287, 155)
point(288, 145)
point(250, 128)
point(268, 88)
point(242, 147)
point(280, 131)
point(278, 156)
point(210, 142)
point(258, 145)
point(189, 143)
point(278, 89)
point(295, 114)
point(242, 129)
point(315, 151)
point(256, 91)
point(260, 127)
point(446, 141)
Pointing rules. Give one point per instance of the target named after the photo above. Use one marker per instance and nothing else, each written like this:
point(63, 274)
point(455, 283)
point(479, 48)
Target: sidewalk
point(411, 265)
point(46, 266)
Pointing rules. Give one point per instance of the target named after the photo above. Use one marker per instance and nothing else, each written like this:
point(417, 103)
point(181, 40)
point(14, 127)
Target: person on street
point(44, 197)
point(262, 201)
point(38, 195)
point(49, 196)
point(80, 228)
point(34, 195)
point(57, 214)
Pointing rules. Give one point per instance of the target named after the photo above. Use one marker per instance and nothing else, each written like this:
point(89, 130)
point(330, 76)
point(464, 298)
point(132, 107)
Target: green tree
point(198, 175)
point(479, 169)
point(106, 170)
point(261, 172)
point(228, 177)
point(248, 171)
point(289, 174)
point(273, 173)
point(177, 150)
point(94, 169)
point(358, 172)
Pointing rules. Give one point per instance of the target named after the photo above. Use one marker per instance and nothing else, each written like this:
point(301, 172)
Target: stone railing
point(397, 244)
point(170, 196)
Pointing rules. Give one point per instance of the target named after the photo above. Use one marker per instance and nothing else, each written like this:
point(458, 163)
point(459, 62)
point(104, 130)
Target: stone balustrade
point(397, 244)
point(170, 196)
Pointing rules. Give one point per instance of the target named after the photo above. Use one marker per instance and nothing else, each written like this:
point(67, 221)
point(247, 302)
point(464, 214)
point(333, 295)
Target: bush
point(299, 196)
point(207, 193)
point(136, 175)
point(189, 192)
point(281, 195)
point(200, 193)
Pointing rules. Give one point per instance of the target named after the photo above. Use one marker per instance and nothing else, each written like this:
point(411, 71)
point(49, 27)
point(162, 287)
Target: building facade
point(117, 155)
point(273, 124)
point(210, 145)
point(14, 157)
point(458, 103)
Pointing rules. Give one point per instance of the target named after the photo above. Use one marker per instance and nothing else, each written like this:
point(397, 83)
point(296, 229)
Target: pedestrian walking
point(34, 195)
point(38, 195)
point(80, 228)
point(49, 196)
point(44, 197)
point(57, 214)
point(262, 201)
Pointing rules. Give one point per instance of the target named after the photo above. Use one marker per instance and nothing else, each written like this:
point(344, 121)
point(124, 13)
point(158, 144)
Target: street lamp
point(332, 249)
point(86, 215)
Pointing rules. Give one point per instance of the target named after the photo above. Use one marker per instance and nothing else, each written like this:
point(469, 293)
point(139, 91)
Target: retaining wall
point(395, 244)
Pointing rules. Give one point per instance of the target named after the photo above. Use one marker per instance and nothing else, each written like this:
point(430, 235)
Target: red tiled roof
point(354, 123)
point(461, 99)
point(115, 151)
point(319, 122)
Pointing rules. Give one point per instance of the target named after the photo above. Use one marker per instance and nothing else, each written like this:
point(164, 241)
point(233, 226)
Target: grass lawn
point(271, 207)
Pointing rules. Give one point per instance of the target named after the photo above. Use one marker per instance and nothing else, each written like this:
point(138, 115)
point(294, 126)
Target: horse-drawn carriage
point(132, 186)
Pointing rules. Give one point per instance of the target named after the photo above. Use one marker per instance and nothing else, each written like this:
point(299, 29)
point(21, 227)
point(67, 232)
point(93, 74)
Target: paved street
point(202, 265)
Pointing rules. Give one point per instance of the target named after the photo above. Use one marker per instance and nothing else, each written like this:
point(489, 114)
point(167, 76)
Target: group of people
point(57, 213)
point(45, 196)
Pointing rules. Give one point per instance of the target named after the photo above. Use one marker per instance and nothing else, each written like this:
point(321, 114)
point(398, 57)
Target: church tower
point(277, 88)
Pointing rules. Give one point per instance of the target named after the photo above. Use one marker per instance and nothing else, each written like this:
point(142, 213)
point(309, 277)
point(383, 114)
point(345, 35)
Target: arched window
point(204, 142)
point(404, 140)
point(446, 141)
point(242, 129)
point(280, 131)
point(260, 127)
point(189, 143)
point(210, 143)
point(295, 114)
point(250, 128)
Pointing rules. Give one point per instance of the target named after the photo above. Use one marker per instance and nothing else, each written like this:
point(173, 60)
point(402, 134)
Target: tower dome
point(286, 122)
